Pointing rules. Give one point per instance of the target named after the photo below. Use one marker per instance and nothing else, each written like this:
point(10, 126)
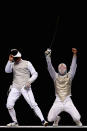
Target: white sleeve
point(33, 72)
point(8, 67)
point(73, 67)
point(51, 68)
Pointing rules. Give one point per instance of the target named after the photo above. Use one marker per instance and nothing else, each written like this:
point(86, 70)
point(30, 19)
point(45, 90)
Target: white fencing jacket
point(23, 72)
point(62, 83)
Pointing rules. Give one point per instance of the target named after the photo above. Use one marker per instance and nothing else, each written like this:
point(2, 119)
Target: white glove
point(48, 52)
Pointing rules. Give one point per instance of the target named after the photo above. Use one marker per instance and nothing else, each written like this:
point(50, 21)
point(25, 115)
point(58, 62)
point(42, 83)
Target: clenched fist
point(74, 50)
point(11, 58)
point(48, 52)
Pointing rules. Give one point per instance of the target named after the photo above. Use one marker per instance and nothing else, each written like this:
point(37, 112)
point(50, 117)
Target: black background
point(32, 35)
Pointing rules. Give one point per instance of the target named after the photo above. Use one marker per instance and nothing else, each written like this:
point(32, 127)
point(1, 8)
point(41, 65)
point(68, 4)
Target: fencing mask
point(62, 68)
point(16, 54)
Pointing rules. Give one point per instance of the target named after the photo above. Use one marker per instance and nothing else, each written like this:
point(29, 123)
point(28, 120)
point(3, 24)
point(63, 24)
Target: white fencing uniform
point(62, 85)
point(23, 72)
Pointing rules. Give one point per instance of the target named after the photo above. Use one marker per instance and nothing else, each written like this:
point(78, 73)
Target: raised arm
point(74, 63)
point(8, 67)
point(49, 64)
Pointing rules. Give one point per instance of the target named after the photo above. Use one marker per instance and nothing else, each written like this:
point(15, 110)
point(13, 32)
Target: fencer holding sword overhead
point(24, 74)
point(62, 83)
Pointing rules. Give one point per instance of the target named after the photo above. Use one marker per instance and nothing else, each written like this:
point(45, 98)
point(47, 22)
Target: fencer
point(62, 83)
point(24, 74)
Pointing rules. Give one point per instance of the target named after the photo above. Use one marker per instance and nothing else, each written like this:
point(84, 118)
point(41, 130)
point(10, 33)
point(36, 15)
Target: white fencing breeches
point(66, 106)
point(29, 97)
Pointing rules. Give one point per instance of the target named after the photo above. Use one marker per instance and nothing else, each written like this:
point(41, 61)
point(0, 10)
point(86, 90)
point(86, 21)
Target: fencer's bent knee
point(9, 106)
point(50, 118)
point(33, 105)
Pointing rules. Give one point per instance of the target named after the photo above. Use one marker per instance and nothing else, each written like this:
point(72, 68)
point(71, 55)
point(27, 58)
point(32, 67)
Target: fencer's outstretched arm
point(74, 63)
point(50, 66)
point(33, 72)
